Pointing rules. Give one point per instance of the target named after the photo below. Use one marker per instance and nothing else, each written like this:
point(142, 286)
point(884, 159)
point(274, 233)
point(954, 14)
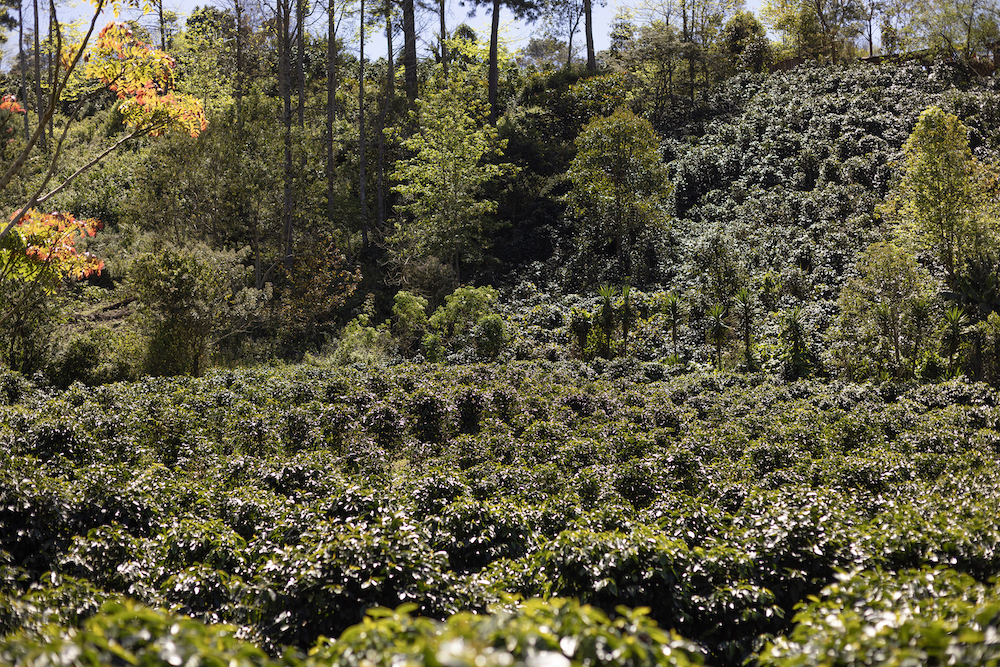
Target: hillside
point(475, 360)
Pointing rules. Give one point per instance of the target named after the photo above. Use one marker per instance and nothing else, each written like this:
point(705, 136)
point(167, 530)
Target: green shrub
point(920, 617)
point(433, 347)
point(364, 345)
point(409, 321)
point(430, 416)
point(180, 291)
point(535, 632)
point(13, 386)
point(490, 336)
point(125, 633)
point(462, 310)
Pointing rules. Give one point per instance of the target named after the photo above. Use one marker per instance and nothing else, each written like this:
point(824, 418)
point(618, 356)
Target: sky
point(513, 34)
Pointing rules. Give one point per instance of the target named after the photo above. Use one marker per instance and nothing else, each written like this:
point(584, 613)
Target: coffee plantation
point(526, 513)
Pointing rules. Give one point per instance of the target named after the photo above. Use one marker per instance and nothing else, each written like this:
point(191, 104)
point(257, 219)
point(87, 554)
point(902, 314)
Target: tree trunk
point(24, 69)
point(444, 37)
point(494, 80)
point(331, 106)
point(409, 50)
point(240, 65)
point(300, 73)
point(163, 25)
point(39, 97)
point(361, 134)
point(284, 83)
point(588, 28)
point(389, 93)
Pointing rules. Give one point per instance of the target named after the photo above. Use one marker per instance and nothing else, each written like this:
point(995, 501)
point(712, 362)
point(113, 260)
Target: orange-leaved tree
point(35, 259)
point(38, 251)
point(140, 75)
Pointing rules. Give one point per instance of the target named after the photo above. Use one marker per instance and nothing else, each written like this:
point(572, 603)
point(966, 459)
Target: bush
point(553, 632)
point(364, 345)
point(125, 633)
point(409, 322)
point(920, 617)
point(462, 310)
point(490, 336)
point(180, 291)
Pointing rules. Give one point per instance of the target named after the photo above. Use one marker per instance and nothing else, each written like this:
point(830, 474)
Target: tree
point(674, 310)
point(793, 336)
point(939, 204)
point(524, 10)
point(206, 65)
point(899, 24)
point(619, 186)
point(744, 311)
point(955, 329)
point(883, 313)
point(839, 22)
point(187, 297)
point(545, 52)
point(968, 28)
point(35, 258)
point(718, 330)
point(441, 184)
point(797, 24)
point(561, 22)
point(588, 29)
point(410, 50)
point(139, 75)
point(745, 44)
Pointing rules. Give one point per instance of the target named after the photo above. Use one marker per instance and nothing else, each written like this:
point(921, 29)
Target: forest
point(685, 351)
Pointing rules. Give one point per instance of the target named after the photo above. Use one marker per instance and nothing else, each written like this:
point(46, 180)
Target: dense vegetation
point(688, 355)
point(288, 502)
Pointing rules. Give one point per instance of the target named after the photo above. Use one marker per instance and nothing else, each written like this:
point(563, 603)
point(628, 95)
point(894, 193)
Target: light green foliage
point(205, 57)
point(796, 22)
point(884, 319)
point(362, 344)
point(619, 189)
point(409, 319)
point(892, 619)
point(186, 296)
point(440, 186)
point(966, 27)
point(580, 324)
point(937, 205)
point(462, 309)
point(541, 633)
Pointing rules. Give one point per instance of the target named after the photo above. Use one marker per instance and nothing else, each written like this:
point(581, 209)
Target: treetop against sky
point(514, 34)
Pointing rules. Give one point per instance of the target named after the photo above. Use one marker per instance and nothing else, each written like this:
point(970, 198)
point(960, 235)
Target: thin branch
point(94, 161)
point(49, 112)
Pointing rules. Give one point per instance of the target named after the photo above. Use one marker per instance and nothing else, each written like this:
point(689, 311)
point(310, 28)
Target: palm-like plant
point(955, 325)
point(718, 330)
point(607, 317)
point(675, 315)
point(626, 314)
point(744, 311)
